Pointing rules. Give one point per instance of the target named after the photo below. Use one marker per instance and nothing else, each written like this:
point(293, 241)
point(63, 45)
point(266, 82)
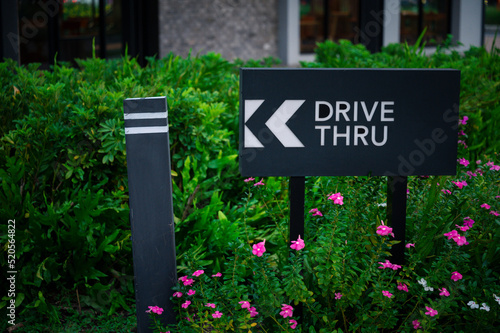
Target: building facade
point(44, 30)
point(234, 28)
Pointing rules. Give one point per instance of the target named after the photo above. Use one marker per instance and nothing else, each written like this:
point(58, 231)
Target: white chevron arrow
point(251, 140)
point(277, 123)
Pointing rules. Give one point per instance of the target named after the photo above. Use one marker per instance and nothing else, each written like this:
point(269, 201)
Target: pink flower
point(177, 294)
point(460, 240)
point(385, 265)
point(188, 282)
point(337, 198)
point(186, 304)
point(410, 245)
point(293, 323)
point(253, 312)
point(463, 121)
point(249, 179)
point(395, 267)
point(462, 228)
point(446, 191)
point(461, 132)
point(217, 314)
point(191, 292)
point(384, 230)
point(471, 174)
point(315, 212)
point(155, 309)
point(198, 273)
point(452, 234)
point(493, 212)
point(210, 305)
point(460, 184)
point(402, 287)
point(468, 222)
point(455, 276)
point(245, 304)
point(386, 293)
point(430, 311)
point(260, 183)
point(485, 206)
point(286, 311)
point(416, 324)
point(217, 275)
point(463, 161)
point(444, 292)
point(259, 248)
point(338, 295)
point(495, 167)
point(298, 244)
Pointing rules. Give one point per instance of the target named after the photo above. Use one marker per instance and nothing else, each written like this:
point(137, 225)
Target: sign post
point(349, 122)
point(151, 212)
point(297, 188)
point(396, 215)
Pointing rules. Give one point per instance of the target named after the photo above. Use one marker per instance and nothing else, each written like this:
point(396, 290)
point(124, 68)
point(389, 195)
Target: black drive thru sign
point(348, 122)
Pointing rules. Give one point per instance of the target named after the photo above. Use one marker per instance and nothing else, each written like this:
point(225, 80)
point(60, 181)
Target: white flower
point(422, 282)
point(473, 305)
point(484, 307)
point(384, 204)
point(497, 299)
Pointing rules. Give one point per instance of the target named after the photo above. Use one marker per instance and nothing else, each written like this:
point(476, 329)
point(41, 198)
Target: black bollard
point(151, 212)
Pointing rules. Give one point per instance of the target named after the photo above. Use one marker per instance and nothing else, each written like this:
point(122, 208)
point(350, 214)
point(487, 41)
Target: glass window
point(327, 19)
point(113, 28)
point(68, 28)
point(79, 27)
point(419, 14)
point(33, 33)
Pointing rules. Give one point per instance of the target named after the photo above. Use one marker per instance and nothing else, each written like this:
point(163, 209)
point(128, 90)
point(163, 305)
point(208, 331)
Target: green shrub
point(63, 178)
point(343, 278)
